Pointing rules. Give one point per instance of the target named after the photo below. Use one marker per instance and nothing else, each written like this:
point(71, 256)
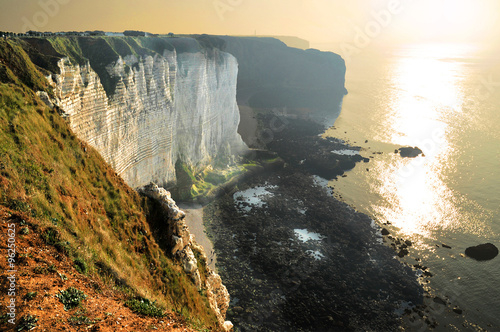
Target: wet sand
point(194, 220)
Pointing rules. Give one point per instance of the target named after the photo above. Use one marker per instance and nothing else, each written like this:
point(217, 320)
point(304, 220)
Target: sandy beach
point(194, 220)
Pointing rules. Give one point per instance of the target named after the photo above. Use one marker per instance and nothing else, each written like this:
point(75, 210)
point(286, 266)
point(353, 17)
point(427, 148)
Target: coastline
point(294, 258)
point(244, 283)
point(194, 220)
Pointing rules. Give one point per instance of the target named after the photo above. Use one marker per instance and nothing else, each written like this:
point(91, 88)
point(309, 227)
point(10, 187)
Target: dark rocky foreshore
point(296, 259)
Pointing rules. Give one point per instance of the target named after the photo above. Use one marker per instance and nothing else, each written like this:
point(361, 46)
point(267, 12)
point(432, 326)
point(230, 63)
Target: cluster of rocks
point(299, 144)
point(183, 246)
point(425, 315)
point(399, 245)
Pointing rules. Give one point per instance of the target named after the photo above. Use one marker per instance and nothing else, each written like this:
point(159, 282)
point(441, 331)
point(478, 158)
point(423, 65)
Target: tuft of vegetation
point(4, 318)
point(145, 307)
point(30, 296)
point(27, 322)
point(71, 297)
point(51, 236)
point(80, 266)
point(45, 269)
point(80, 318)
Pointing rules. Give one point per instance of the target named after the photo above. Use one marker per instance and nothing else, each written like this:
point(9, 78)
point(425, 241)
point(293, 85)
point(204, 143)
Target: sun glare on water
point(428, 92)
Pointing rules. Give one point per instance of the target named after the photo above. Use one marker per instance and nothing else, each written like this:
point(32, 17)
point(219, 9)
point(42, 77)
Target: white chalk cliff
point(164, 106)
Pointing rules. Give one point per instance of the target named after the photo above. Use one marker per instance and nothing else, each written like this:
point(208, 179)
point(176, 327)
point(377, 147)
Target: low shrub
point(71, 298)
point(30, 296)
point(26, 323)
point(80, 266)
point(145, 307)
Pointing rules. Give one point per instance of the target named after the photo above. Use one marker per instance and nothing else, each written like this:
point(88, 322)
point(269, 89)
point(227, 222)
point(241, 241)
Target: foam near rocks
point(346, 152)
point(304, 235)
point(252, 197)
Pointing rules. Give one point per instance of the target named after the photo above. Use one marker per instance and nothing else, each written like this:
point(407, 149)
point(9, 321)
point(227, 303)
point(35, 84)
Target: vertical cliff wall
point(145, 103)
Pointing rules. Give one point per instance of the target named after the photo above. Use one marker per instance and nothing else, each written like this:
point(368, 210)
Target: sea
point(444, 99)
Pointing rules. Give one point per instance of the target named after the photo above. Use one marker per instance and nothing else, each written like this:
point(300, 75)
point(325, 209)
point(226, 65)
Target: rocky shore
point(296, 259)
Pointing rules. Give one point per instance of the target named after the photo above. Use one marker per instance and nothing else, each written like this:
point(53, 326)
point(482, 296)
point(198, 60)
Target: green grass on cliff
point(77, 201)
point(16, 67)
point(202, 184)
point(101, 51)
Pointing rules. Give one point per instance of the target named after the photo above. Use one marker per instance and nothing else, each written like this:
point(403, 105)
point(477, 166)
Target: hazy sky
point(319, 21)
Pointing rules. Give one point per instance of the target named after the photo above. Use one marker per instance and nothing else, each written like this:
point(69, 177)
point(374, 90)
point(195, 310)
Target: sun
point(458, 17)
point(444, 20)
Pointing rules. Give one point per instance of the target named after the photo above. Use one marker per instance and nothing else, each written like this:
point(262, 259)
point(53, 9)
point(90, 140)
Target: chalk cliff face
point(155, 108)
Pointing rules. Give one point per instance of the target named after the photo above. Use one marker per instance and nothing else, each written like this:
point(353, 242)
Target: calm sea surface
point(444, 99)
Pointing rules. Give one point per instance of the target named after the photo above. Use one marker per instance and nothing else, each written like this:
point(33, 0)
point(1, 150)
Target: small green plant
point(27, 323)
point(80, 319)
point(30, 296)
point(4, 319)
point(145, 307)
point(24, 231)
point(80, 266)
point(71, 298)
point(40, 270)
point(18, 205)
point(51, 236)
point(45, 270)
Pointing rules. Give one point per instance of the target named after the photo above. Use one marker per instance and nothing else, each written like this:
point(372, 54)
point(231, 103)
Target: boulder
point(439, 300)
point(403, 252)
point(482, 252)
point(227, 326)
point(189, 261)
point(178, 244)
point(410, 152)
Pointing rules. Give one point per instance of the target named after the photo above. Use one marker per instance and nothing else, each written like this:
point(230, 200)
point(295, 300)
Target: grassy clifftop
point(65, 192)
point(102, 51)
